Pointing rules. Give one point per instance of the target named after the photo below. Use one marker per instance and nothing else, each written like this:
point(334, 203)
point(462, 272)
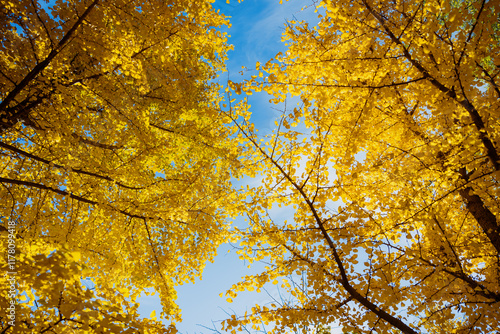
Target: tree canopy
point(117, 156)
point(114, 158)
point(390, 164)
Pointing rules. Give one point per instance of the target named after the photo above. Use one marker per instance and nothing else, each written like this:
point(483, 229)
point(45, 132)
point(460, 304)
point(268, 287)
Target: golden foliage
point(390, 165)
point(111, 146)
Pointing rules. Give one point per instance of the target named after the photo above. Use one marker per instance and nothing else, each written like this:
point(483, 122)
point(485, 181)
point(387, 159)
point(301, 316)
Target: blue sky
point(256, 32)
point(257, 26)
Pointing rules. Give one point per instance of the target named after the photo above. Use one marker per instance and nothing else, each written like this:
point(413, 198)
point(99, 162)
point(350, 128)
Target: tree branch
point(4, 113)
point(44, 187)
point(79, 171)
point(344, 280)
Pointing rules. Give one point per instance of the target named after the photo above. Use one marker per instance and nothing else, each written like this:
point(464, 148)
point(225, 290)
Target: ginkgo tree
point(389, 165)
point(115, 162)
